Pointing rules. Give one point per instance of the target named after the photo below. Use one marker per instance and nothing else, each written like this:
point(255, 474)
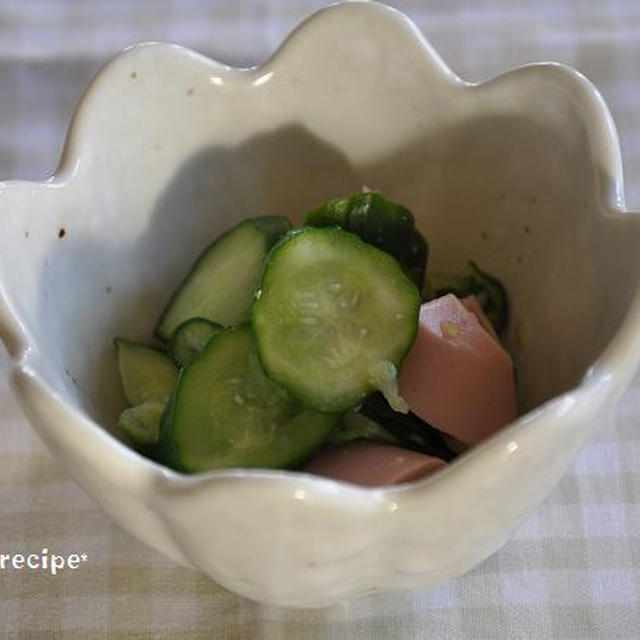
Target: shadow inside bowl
point(282, 172)
point(509, 192)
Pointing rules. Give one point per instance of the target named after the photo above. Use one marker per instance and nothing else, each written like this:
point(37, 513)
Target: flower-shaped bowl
point(167, 148)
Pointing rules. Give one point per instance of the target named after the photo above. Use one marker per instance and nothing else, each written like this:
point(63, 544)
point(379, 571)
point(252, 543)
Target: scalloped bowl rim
point(607, 376)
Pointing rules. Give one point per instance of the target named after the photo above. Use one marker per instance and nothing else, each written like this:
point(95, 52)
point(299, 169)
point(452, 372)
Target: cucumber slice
point(189, 339)
point(146, 373)
point(333, 318)
point(225, 412)
point(221, 284)
point(142, 423)
point(380, 222)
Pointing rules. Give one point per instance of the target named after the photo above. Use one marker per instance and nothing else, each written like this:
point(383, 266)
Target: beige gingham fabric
point(571, 571)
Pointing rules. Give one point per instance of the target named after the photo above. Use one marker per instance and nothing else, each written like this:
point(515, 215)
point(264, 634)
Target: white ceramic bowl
point(167, 148)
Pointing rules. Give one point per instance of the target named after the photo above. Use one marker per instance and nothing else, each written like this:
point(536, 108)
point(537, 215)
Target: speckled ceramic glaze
point(521, 174)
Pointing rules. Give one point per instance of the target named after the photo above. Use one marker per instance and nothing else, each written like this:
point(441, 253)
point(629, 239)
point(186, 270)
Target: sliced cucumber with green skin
point(225, 412)
point(142, 422)
point(333, 318)
point(146, 373)
point(380, 222)
point(189, 339)
point(221, 283)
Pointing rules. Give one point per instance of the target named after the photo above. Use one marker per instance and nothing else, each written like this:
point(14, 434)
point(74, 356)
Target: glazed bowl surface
point(521, 174)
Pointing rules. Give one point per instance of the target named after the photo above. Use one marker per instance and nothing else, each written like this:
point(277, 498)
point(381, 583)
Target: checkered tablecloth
point(571, 571)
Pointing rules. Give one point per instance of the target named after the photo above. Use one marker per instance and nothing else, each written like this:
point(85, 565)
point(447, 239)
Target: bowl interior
point(169, 149)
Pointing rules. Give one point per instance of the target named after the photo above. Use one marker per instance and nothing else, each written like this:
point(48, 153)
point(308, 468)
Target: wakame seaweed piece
point(417, 261)
point(332, 213)
point(380, 222)
point(408, 428)
point(496, 307)
point(354, 425)
point(489, 291)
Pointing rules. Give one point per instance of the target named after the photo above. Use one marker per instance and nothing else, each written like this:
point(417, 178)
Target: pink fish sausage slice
point(373, 464)
point(457, 376)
